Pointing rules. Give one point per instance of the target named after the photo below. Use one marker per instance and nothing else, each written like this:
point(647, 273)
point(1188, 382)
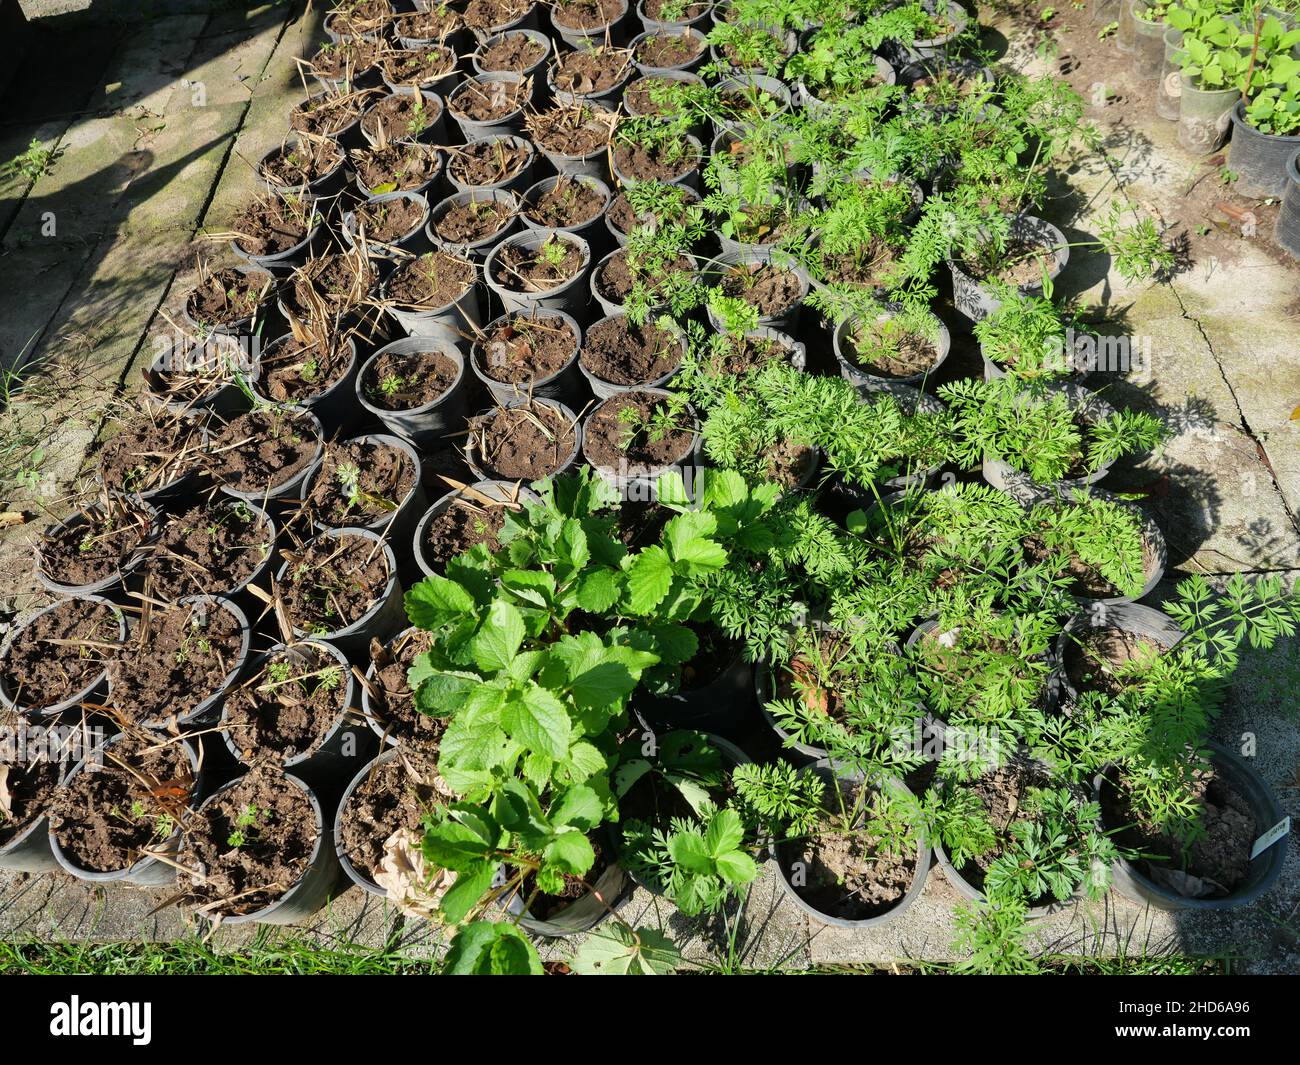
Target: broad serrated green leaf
point(649, 576)
point(570, 852)
point(538, 721)
point(498, 638)
point(435, 601)
point(490, 948)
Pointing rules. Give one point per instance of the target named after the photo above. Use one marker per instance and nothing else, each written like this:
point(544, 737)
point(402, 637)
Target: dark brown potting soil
point(668, 50)
point(104, 820)
point(270, 226)
point(434, 280)
point(327, 113)
point(41, 669)
point(788, 462)
point(485, 163)
point(348, 59)
point(328, 286)
point(387, 221)
point(492, 14)
point(525, 348)
point(262, 449)
point(514, 52)
point(868, 267)
point(890, 353)
point(175, 657)
point(228, 296)
point(333, 582)
point(434, 24)
point(653, 96)
point(740, 354)
point(613, 438)
point(401, 116)
point(486, 101)
point(568, 203)
point(151, 452)
point(419, 68)
point(302, 163)
point(29, 789)
point(594, 71)
point(290, 707)
point(771, 290)
point(359, 482)
point(272, 821)
point(523, 443)
point(400, 167)
point(468, 223)
point(586, 14)
point(212, 547)
point(394, 795)
point(466, 522)
point(296, 370)
point(851, 875)
point(1002, 792)
point(658, 161)
point(392, 703)
point(1221, 856)
point(1097, 658)
point(408, 380)
point(519, 268)
point(619, 275)
point(617, 351)
point(573, 130)
point(93, 545)
point(678, 201)
point(1019, 263)
point(655, 10)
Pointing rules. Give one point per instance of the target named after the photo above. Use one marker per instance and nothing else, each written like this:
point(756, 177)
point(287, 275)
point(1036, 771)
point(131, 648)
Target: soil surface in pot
point(668, 50)
point(1108, 659)
point(788, 462)
point(655, 10)
point(523, 443)
point(402, 116)
point(302, 163)
point(676, 202)
point(617, 351)
point(93, 545)
point(327, 114)
point(151, 452)
point(29, 789)
point(487, 101)
point(228, 296)
point(469, 223)
point(400, 167)
point(769, 289)
point(407, 380)
point(619, 276)
point(716, 653)
point(174, 659)
point(613, 438)
point(569, 202)
point(104, 820)
point(740, 354)
point(392, 703)
point(850, 875)
point(271, 226)
point(640, 523)
point(431, 282)
point(387, 221)
point(41, 670)
point(420, 67)
point(333, 582)
point(514, 52)
point(438, 22)
point(359, 482)
point(583, 73)
point(393, 795)
point(327, 287)
point(889, 350)
point(1221, 859)
point(659, 161)
point(214, 546)
point(748, 105)
point(262, 449)
point(485, 163)
point(573, 130)
point(349, 59)
point(868, 267)
point(466, 522)
point(586, 14)
point(518, 268)
point(272, 821)
point(799, 681)
point(289, 708)
point(525, 348)
point(298, 370)
point(491, 14)
point(654, 96)
point(1021, 262)
point(1088, 581)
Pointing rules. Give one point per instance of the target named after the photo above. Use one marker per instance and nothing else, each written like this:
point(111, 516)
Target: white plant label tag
point(1270, 837)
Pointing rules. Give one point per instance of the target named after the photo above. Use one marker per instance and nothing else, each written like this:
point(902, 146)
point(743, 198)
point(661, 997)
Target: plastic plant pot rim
point(638, 471)
point(349, 221)
point(536, 238)
point(427, 312)
point(380, 597)
point(476, 349)
point(276, 491)
point(613, 386)
point(443, 206)
point(308, 187)
point(483, 473)
point(305, 402)
point(382, 440)
point(413, 345)
point(540, 188)
point(126, 566)
point(537, 36)
point(384, 757)
point(854, 372)
point(505, 492)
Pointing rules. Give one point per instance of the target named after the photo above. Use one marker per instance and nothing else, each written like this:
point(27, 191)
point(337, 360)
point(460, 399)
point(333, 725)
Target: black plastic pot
point(292, 487)
point(690, 66)
point(285, 262)
point(207, 367)
point(507, 125)
point(387, 613)
point(1089, 407)
point(725, 705)
point(93, 692)
point(323, 187)
point(433, 133)
point(486, 473)
point(316, 884)
point(565, 385)
point(1132, 618)
point(1258, 159)
point(582, 914)
point(569, 296)
point(851, 371)
point(29, 851)
point(700, 22)
point(147, 871)
point(1287, 231)
point(504, 491)
point(114, 582)
point(396, 526)
point(603, 389)
point(351, 871)
point(609, 97)
point(1131, 881)
point(414, 242)
point(609, 306)
point(590, 36)
point(515, 183)
point(447, 325)
point(785, 321)
point(592, 231)
point(536, 70)
point(640, 483)
point(441, 84)
point(434, 420)
point(689, 178)
point(481, 248)
point(334, 407)
point(975, 301)
point(783, 853)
